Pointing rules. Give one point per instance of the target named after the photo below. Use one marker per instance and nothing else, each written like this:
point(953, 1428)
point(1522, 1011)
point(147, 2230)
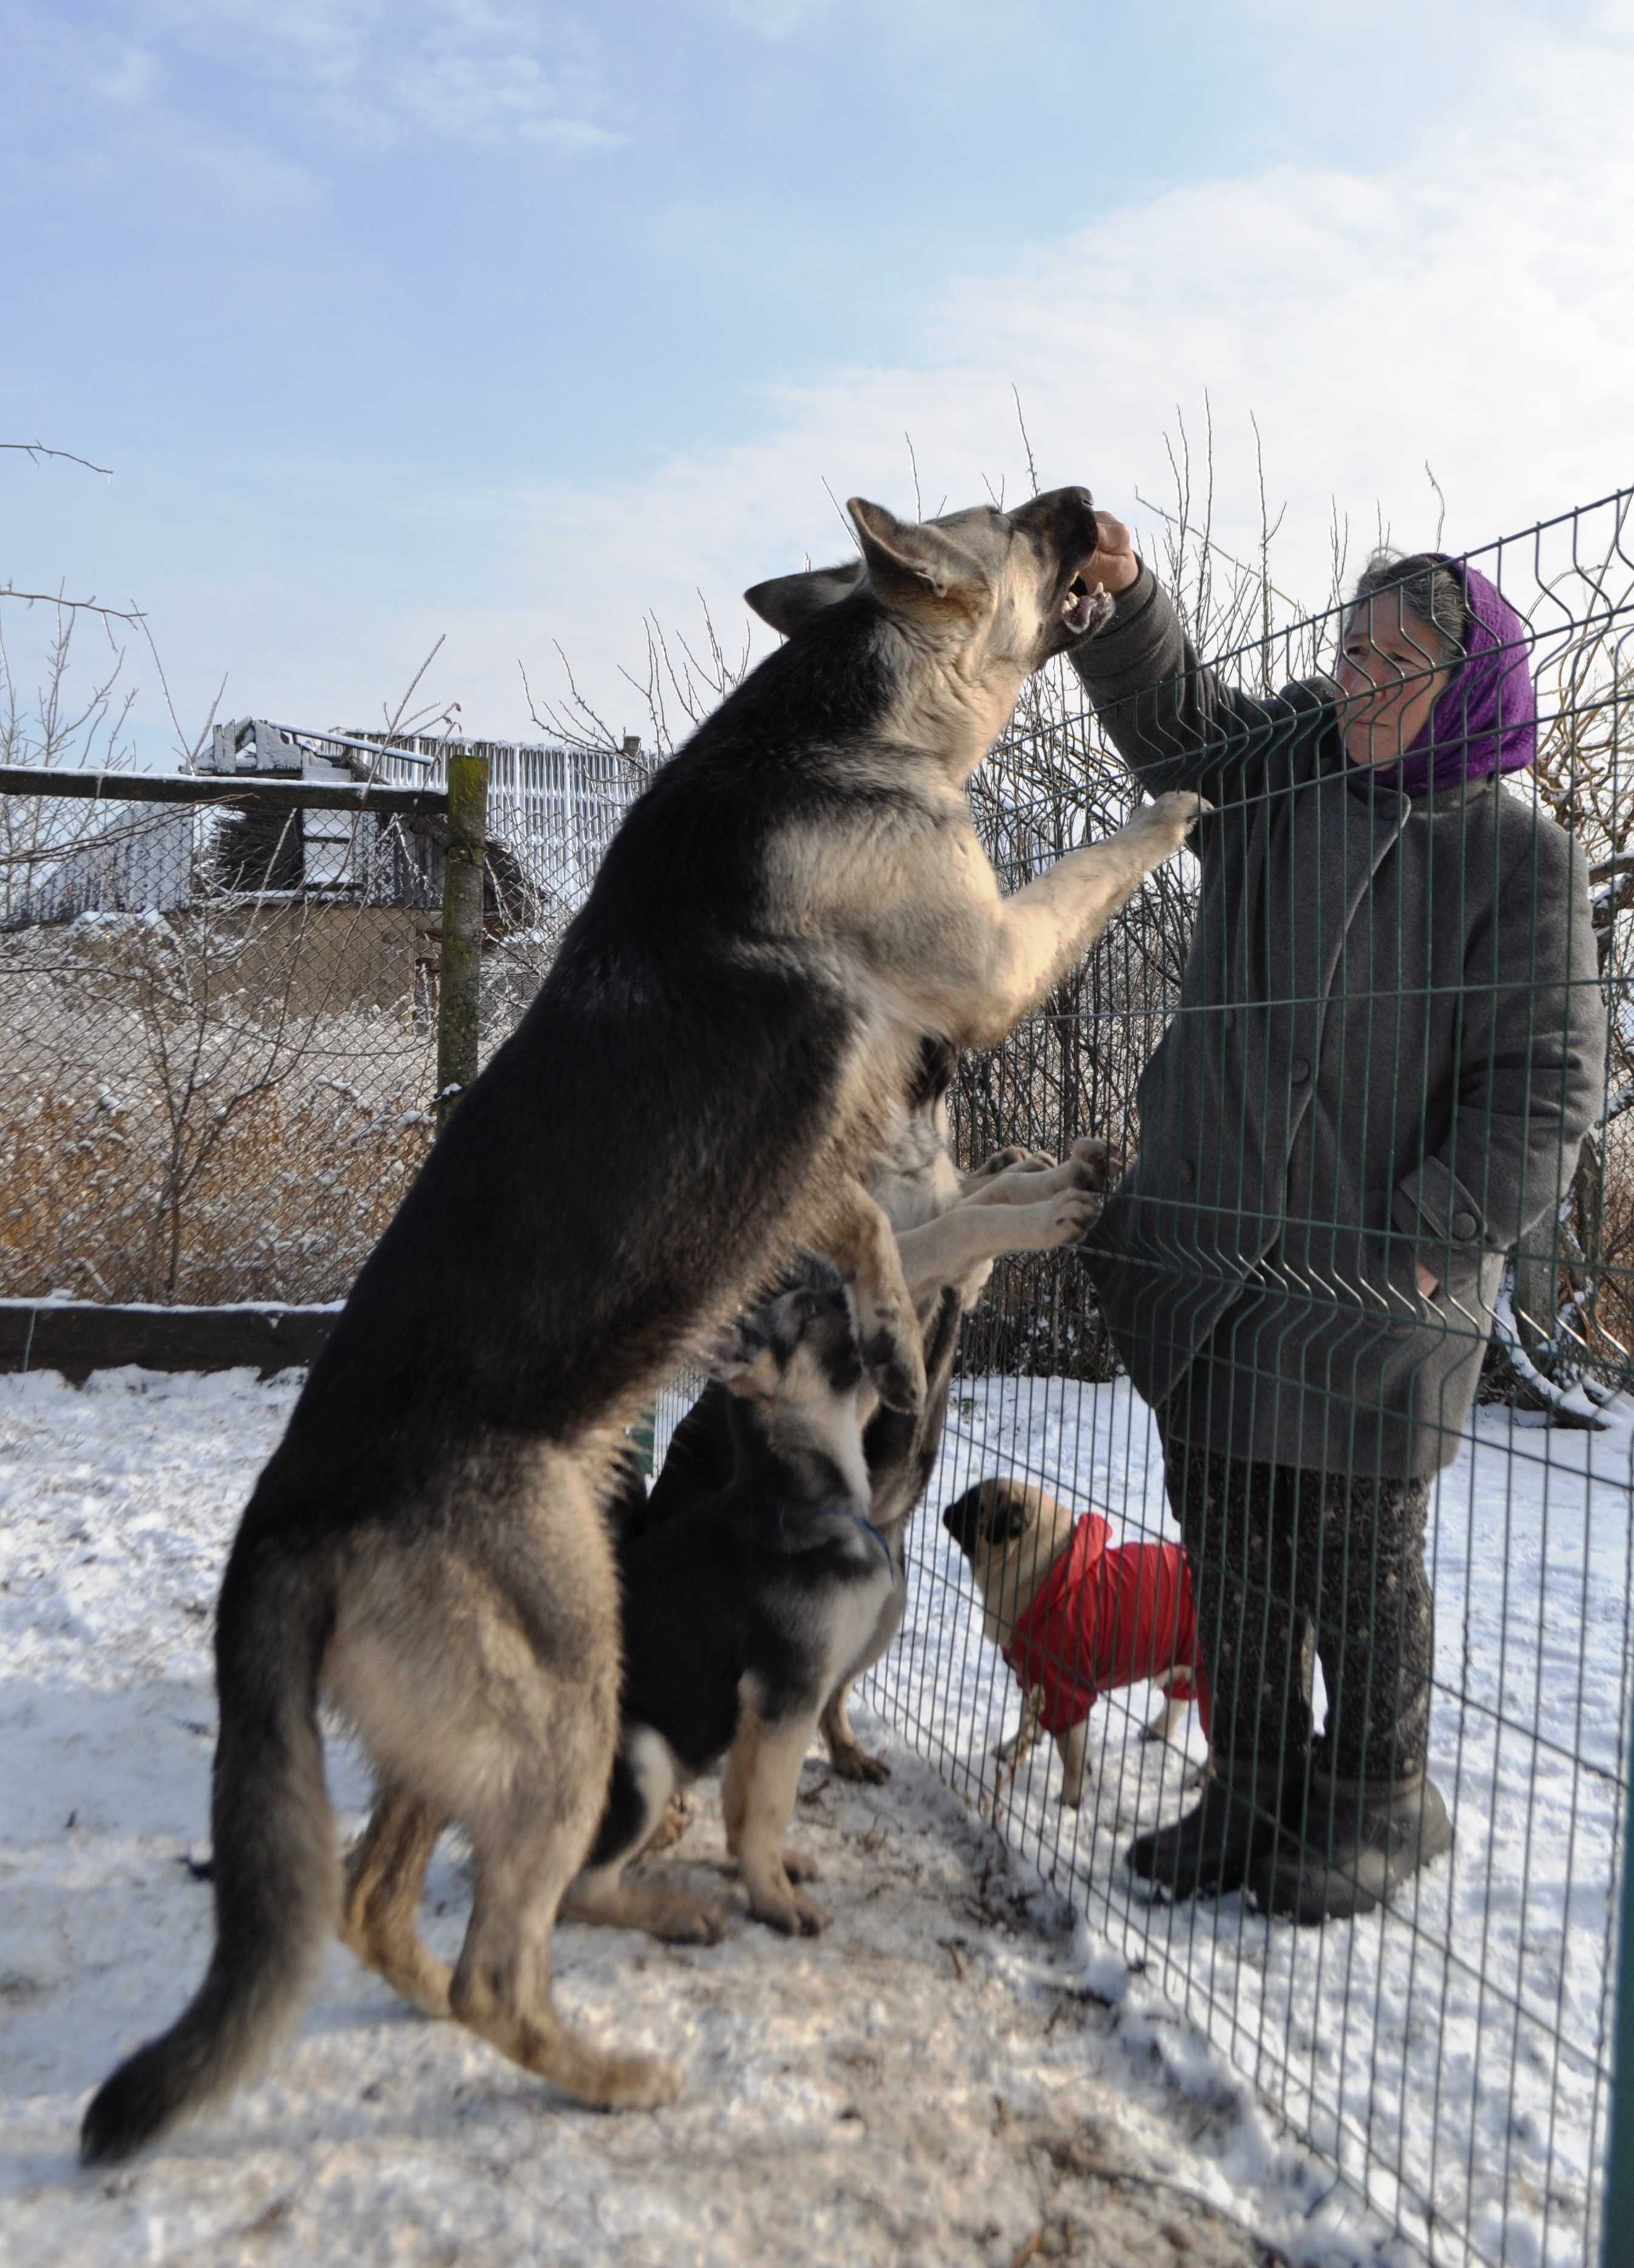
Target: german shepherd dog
point(742, 1605)
point(796, 900)
point(950, 1229)
point(739, 1441)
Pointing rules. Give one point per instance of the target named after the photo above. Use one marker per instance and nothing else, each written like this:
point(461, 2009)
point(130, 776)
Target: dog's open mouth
point(1083, 610)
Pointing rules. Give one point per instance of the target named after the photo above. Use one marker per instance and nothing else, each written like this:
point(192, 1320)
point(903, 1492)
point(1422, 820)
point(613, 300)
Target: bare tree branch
point(35, 449)
point(79, 606)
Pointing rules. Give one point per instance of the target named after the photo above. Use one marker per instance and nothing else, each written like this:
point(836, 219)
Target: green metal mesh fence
point(1356, 1328)
point(1371, 1053)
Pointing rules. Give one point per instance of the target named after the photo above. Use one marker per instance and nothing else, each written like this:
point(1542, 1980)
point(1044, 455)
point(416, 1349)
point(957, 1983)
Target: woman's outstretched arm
point(1171, 718)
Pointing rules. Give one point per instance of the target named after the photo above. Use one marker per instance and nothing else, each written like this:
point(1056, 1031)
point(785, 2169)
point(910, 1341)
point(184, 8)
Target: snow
point(1451, 2055)
point(960, 2070)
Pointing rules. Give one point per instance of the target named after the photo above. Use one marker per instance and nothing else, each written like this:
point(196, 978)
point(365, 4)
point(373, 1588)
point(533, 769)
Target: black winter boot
point(1361, 1840)
point(1208, 1853)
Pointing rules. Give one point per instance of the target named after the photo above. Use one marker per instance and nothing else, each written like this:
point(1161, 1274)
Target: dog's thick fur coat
point(744, 1602)
point(796, 900)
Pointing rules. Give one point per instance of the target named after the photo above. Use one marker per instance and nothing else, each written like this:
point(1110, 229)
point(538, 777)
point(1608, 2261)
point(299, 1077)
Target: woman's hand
point(1428, 1285)
point(1114, 565)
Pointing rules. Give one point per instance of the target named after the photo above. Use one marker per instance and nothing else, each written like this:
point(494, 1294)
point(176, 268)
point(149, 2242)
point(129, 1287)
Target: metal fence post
point(1617, 2218)
point(459, 988)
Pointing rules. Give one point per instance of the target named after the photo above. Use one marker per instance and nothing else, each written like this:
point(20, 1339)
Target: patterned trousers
point(1286, 1563)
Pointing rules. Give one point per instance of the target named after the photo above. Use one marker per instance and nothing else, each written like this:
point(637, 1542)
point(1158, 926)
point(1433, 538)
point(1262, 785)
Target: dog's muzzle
point(1084, 611)
point(962, 1521)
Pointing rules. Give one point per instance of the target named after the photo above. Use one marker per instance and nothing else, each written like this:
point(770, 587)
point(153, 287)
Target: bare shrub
point(196, 1108)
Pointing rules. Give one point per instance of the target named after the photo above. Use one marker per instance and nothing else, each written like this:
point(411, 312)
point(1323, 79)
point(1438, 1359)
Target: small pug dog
point(1076, 1614)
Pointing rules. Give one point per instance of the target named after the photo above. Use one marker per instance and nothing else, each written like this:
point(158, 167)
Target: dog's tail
point(275, 1871)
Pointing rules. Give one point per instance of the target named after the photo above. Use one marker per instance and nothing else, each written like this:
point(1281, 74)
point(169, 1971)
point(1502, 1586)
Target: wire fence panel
point(1355, 1327)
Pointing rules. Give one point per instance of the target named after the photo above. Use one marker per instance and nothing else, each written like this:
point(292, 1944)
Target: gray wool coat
point(1390, 1038)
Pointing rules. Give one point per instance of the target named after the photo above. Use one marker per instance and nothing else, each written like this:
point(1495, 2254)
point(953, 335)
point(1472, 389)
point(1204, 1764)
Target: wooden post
point(459, 988)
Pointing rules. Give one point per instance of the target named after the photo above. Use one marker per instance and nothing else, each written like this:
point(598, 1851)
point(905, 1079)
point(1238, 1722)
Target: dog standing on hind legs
point(951, 1227)
point(709, 1066)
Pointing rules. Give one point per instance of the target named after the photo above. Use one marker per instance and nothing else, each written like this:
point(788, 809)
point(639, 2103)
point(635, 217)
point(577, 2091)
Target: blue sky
point(509, 322)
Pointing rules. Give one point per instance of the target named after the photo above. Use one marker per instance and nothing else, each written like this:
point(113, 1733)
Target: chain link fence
point(218, 1016)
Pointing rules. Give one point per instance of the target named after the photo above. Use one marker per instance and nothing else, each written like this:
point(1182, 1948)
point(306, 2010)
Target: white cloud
point(1467, 304)
point(382, 70)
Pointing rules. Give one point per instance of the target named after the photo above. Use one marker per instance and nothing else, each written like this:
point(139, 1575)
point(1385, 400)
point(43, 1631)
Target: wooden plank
point(77, 1337)
point(247, 793)
point(459, 980)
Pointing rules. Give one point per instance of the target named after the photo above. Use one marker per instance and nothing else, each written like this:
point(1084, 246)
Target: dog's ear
point(912, 565)
point(740, 1356)
point(786, 601)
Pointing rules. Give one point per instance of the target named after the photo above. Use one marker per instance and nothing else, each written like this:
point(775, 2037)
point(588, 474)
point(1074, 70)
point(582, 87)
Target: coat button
point(1464, 1223)
point(1230, 1019)
point(1298, 1071)
point(1188, 1172)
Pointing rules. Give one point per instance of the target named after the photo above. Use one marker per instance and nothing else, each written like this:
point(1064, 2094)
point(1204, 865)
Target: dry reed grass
point(286, 1207)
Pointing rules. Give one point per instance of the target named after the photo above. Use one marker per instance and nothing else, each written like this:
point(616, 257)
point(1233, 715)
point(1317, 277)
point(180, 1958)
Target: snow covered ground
point(1450, 2056)
point(954, 2073)
point(959, 2071)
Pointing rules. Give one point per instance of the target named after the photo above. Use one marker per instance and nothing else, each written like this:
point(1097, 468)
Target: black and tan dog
point(951, 1227)
point(744, 1602)
point(709, 1065)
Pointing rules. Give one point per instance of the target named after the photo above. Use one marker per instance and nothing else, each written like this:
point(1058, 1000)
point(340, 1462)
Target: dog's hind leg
point(846, 1756)
point(501, 1987)
point(758, 1792)
point(601, 1895)
point(644, 1780)
point(385, 1877)
point(530, 1841)
point(484, 1683)
point(1072, 1747)
point(1168, 1723)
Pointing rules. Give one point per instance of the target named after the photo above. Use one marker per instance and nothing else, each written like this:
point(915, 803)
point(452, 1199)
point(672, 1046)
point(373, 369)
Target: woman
point(1390, 1031)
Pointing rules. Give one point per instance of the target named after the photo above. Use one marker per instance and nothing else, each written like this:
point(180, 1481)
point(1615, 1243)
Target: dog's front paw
point(1013, 1160)
point(1174, 814)
point(1075, 1211)
point(895, 1361)
point(1062, 1219)
point(1098, 1164)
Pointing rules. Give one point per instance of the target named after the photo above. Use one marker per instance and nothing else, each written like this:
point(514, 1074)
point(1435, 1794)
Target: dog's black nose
point(962, 1520)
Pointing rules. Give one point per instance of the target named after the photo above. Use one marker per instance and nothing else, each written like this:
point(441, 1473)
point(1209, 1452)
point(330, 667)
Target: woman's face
point(1388, 680)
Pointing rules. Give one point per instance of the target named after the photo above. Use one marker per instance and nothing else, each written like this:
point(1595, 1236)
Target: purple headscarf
point(1485, 716)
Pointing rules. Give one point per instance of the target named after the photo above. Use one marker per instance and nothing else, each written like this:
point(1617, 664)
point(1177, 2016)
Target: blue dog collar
point(833, 1511)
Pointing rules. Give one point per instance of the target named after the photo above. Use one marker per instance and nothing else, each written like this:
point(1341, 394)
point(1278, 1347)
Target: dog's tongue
point(1086, 610)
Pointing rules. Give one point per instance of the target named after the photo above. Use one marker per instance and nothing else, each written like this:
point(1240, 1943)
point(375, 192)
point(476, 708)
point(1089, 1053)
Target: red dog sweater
point(1109, 1614)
